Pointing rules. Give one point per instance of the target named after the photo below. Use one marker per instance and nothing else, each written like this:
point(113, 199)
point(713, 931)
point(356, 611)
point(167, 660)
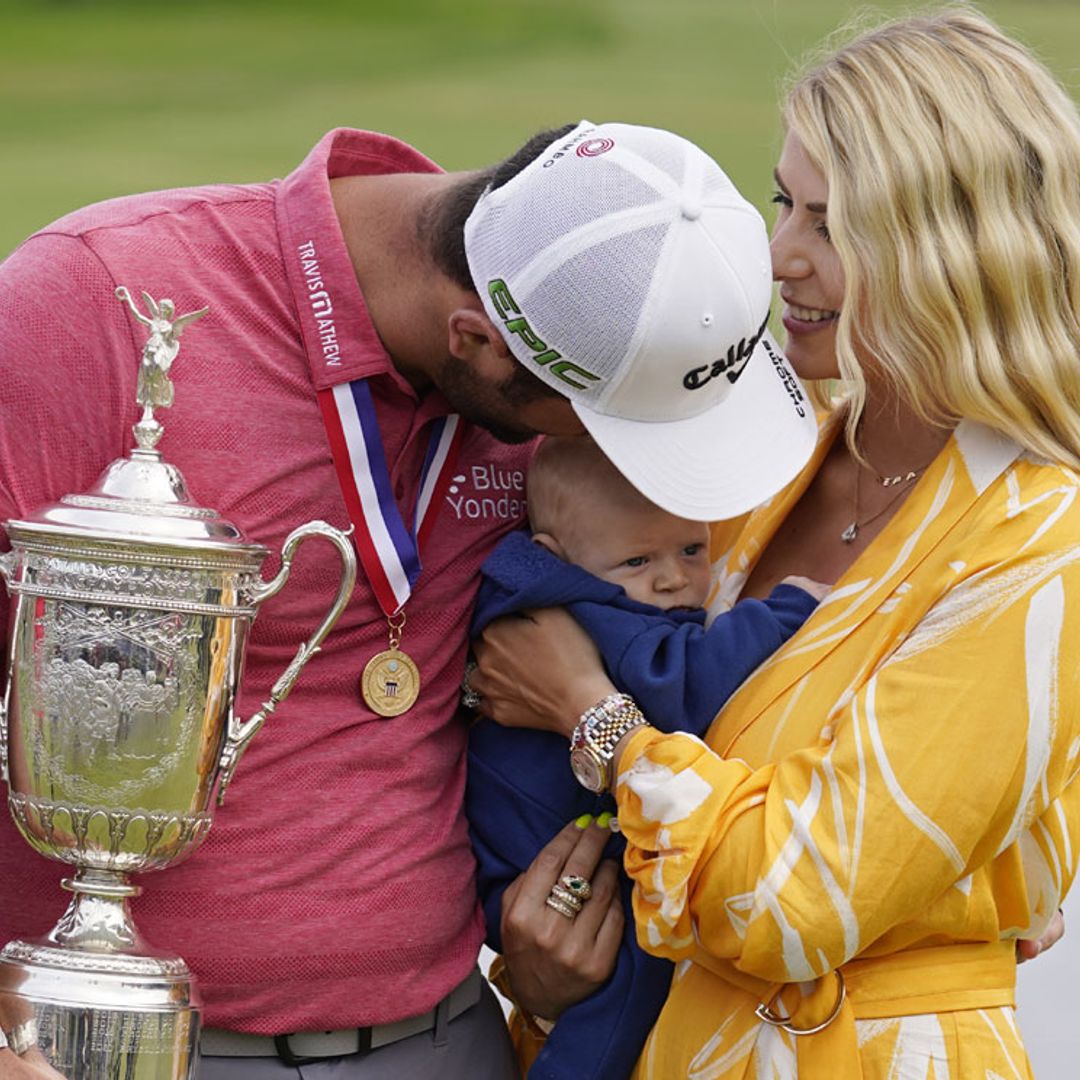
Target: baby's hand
point(815, 588)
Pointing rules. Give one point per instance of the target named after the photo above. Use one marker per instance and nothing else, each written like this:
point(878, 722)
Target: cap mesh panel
point(543, 213)
point(668, 157)
point(596, 299)
point(718, 184)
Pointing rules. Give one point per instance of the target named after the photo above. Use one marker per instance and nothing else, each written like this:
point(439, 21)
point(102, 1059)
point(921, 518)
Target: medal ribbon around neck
point(388, 550)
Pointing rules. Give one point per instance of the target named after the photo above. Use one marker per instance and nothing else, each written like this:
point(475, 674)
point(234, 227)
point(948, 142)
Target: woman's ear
point(474, 338)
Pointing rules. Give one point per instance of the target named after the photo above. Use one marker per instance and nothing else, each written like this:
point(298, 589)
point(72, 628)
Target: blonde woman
point(842, 868)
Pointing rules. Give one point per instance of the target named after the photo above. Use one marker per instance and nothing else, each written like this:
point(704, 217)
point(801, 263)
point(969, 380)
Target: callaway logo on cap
point(624, 269)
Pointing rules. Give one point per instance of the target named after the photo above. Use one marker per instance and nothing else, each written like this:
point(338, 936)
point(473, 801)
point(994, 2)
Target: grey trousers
point(474, 1046)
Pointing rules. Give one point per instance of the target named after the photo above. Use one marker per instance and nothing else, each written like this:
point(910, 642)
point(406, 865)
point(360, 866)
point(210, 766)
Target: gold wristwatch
point(592, 745)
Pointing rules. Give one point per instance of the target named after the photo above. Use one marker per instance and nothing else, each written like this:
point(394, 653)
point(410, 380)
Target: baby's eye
point(692, 549)
point(636, 560)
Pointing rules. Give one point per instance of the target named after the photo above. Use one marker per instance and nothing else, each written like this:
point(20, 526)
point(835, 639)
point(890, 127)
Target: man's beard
point(493, 406)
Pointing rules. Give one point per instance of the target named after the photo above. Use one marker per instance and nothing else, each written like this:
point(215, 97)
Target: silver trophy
point(131, 611)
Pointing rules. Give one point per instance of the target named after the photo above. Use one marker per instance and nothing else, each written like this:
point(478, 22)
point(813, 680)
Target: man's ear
point(546, 540)
point(474, 338)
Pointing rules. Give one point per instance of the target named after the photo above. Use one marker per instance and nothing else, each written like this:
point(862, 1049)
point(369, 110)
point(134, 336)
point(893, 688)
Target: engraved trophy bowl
point(131, 610)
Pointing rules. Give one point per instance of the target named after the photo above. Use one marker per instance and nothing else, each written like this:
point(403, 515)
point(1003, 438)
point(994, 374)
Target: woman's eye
point(781, 199)
point(823, 231)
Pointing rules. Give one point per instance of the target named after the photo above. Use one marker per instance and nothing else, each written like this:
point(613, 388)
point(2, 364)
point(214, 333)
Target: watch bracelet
point(605, 710)
point(601, 727)
point(606, 734)
point(634, 719)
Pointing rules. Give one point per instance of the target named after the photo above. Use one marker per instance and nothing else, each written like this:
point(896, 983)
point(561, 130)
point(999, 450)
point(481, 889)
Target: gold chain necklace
point(902, 478)
point(901, 483)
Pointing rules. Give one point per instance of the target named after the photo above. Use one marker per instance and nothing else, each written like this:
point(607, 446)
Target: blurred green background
point(103, 97)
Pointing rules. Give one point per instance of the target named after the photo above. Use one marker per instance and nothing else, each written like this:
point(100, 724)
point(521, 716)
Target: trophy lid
point(141, 498)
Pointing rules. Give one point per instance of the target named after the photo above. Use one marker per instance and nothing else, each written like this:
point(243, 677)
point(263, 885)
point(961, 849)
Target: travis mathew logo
point(595, 147)
point(730, 364)
point(487, 493)
point(322, 307)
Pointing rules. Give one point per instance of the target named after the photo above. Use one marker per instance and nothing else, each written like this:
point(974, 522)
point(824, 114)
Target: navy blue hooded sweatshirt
point(520, 790)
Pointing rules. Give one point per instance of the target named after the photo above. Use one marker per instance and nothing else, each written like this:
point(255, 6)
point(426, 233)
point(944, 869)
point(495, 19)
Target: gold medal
point(390, 683)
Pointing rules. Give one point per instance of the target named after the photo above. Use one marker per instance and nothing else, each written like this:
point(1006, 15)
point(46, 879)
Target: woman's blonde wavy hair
point(953, 163)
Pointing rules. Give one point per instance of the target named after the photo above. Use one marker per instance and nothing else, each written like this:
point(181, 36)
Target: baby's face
point(657, 558)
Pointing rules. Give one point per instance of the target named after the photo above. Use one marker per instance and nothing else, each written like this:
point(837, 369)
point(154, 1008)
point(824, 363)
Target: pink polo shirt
point(336, 886)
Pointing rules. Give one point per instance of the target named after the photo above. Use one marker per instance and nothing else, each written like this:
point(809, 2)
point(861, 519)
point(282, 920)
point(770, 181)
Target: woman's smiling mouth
point(800, 320)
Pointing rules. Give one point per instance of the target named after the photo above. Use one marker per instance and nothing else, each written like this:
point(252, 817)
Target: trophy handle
point(241, 732)
point(7, 569)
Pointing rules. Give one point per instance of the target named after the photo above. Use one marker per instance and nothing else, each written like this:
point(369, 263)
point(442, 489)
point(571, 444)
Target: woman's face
point(806, 264)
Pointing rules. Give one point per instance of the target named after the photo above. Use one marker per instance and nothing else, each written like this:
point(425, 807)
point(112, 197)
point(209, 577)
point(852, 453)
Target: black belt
point(298, 1047)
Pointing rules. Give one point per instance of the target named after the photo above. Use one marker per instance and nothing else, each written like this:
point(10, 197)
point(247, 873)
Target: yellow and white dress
point(892, 796)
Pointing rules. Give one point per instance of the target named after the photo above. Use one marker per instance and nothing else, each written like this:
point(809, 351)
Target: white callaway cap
point(625, 270)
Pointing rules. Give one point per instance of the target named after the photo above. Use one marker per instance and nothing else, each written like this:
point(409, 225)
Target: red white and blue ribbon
point(388, 549)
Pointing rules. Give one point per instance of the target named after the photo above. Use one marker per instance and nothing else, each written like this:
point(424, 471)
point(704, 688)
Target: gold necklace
point(901, 483)
point(902, 478)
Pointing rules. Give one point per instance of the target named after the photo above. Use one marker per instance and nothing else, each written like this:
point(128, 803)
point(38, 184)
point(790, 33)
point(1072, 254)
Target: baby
point(636, 578)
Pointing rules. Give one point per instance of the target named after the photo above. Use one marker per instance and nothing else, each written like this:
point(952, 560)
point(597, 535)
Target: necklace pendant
point(849, 534)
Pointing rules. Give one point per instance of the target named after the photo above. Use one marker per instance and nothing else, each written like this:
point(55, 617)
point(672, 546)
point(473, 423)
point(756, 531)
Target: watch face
point(586, 770)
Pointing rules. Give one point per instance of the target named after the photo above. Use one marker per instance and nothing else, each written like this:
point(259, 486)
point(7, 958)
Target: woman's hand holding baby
point(1054, 932)
point(553, 961)
point(817, 589)
point(540, 670)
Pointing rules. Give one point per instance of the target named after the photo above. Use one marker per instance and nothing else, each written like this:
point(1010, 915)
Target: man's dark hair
point(442, 227)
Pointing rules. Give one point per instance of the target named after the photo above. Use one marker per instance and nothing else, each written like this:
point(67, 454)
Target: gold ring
point(23, 1036)
point(579, 886)
point(764, 1011)
point(561, 907)
point(470, 698)
point(567, 897)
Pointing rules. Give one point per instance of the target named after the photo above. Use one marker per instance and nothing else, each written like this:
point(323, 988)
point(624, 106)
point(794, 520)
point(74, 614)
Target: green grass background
point(103, 97)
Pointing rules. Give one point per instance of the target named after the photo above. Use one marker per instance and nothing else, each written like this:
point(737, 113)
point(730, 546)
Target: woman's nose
point(788, 261)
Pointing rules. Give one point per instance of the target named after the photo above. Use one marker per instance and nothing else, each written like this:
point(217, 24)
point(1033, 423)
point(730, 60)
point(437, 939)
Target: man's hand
point(552, 961)
point(29, 1066)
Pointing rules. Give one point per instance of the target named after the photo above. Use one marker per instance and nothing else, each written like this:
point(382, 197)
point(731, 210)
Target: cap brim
point(728, 459)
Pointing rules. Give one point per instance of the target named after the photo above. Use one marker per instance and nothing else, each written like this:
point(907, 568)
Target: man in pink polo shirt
point(331, 914)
